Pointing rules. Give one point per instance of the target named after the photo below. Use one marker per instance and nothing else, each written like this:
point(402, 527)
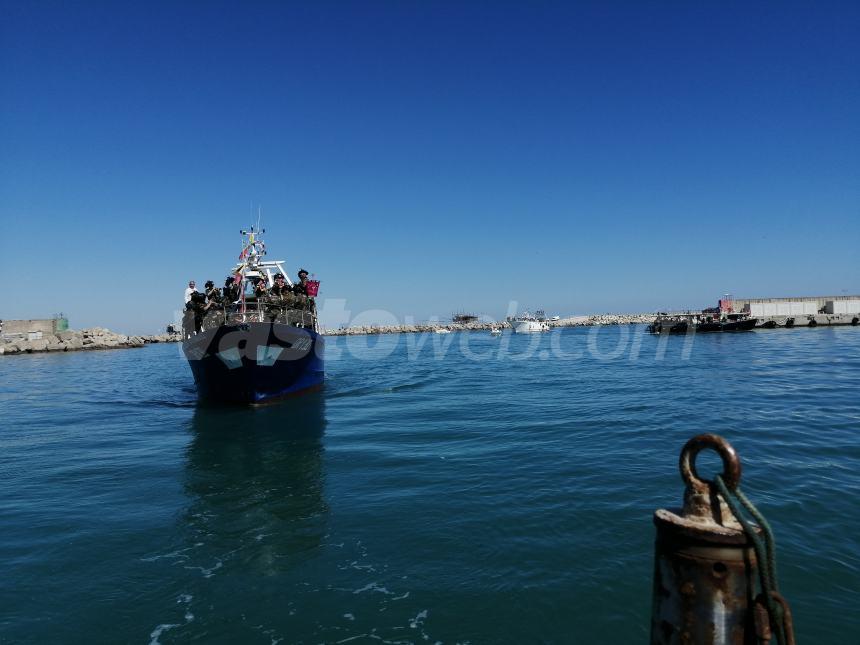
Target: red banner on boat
point(313, 287)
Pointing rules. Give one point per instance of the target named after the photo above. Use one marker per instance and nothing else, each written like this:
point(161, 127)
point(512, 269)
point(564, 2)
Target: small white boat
point(495, 331)
point(442, 330)
point(528, 323)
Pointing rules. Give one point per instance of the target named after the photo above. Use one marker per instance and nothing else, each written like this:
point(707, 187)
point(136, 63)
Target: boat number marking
point(302, 344)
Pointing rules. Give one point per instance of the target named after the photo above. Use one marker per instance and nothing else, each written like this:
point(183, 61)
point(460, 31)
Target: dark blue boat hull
point(253, 363)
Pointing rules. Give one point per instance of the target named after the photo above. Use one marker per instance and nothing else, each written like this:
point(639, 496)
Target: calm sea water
point(447, 489)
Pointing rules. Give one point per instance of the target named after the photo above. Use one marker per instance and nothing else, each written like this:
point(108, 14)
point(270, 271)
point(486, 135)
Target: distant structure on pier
point(803, 305)
point(33, 329)
point(464, 318)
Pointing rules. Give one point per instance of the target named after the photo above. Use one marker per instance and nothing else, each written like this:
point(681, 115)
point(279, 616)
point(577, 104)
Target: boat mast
point(253, 249)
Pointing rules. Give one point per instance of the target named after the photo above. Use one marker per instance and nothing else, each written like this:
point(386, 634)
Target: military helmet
point(279, 276)
point(209, 283)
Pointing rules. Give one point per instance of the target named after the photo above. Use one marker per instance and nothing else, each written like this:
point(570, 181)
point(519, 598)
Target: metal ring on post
point(731, 462)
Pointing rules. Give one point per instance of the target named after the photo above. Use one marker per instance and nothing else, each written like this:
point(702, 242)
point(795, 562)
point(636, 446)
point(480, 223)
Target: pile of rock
point(93, 338)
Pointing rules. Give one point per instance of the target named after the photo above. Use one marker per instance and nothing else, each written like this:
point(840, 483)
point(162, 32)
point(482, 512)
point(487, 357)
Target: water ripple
point(419, 496)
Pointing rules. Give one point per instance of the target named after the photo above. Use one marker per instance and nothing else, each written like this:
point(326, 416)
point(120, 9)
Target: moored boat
point(254, 348)
point(722, 318)
point(528, 323)
point(699, 322)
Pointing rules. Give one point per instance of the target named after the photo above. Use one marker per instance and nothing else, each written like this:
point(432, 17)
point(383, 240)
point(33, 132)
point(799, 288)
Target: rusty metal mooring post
point(704, 563)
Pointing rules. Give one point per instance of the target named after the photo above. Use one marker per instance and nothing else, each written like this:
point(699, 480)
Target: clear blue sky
point(428, 157)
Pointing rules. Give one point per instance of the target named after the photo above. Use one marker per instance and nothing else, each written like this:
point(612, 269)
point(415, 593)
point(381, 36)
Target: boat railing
point(236, 314)
point(681, 316)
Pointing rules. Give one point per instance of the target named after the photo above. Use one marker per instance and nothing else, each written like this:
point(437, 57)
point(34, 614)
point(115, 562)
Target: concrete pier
point(811, 320)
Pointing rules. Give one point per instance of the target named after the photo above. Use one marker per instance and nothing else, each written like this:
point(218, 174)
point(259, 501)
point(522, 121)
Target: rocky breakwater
point(573, 321)
point(604, 319)
point(68, 341)
point(417, 328)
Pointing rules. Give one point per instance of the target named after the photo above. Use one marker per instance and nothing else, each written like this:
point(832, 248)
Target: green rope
point(768, 535)
point(764, 551)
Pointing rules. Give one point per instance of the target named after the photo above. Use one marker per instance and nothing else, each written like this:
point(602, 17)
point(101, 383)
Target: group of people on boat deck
point(277, 299)
point(281, 289)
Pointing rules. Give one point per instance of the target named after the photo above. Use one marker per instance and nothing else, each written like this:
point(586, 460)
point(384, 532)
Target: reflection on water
point(255, 481)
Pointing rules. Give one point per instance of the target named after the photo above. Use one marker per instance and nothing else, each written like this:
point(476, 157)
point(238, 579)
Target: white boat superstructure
point(528, 323)
point(251, 264)
point(252, 268)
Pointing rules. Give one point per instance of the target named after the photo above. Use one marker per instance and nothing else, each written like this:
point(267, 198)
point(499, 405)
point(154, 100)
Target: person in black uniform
point(198, 307)
point(188, 321)
point(230, 294)
point(230, 291)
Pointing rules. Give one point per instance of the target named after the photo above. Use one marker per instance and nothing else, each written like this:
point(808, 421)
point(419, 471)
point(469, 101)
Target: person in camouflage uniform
point(213, 295)
point(280, 299)
point(261, 288)
point(300, 287)
point(300, 290)
point(214, 307)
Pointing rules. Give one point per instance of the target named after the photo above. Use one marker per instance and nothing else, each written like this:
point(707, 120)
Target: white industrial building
point(846, 306)
point(802, 306)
